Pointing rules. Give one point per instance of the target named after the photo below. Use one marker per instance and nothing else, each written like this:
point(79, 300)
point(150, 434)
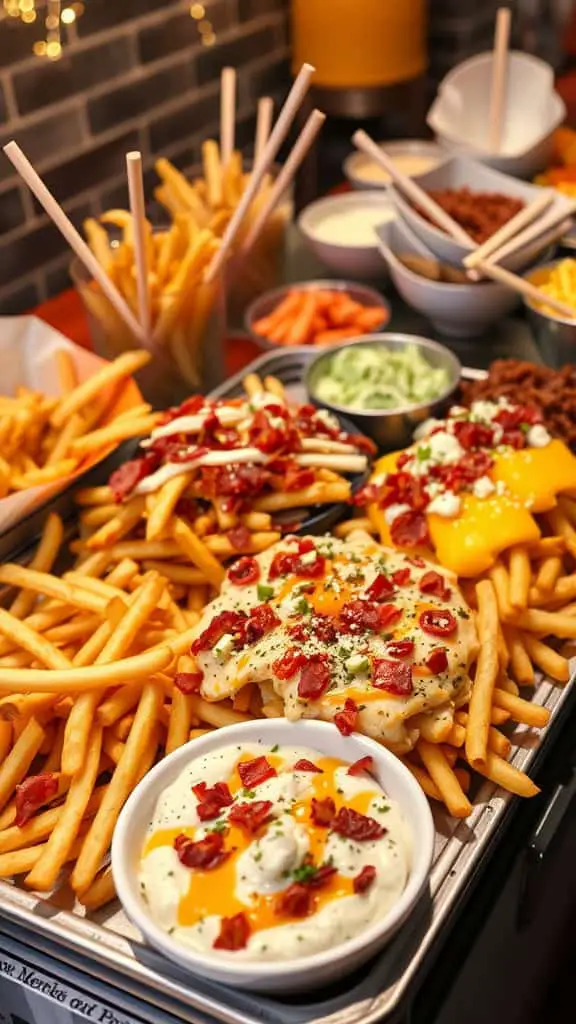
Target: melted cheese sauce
point(191, 903)
point(350, 568)
point(469, 543)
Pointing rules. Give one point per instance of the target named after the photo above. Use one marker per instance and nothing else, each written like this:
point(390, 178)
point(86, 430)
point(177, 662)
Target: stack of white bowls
point(532, 110)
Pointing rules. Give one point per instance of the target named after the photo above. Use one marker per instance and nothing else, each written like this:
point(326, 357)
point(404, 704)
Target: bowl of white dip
point(411, 157)
point(340, 230)
point(253, 856)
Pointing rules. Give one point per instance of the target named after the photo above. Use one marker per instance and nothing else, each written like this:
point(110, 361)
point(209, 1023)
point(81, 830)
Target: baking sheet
point(107, 946)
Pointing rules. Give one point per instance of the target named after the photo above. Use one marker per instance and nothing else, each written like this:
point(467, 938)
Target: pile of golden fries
point(190, 550)
point(44, 439)
point(524, 605)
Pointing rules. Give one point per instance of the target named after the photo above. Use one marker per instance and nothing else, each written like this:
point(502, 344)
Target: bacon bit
point(400, 648)
point(435, 584)
point(307, 766)
point(188, 682)
point(357, 616)
point(366, 495)
point(211, 800)
point(234, 933)
point(324, 629)
point(322, 811)
point(287, 563)
point(251, 816)
point(438, 661)
point(320, 878)
point(345, 720)
point(296, 901)
point(415, 560)
point(189, 407)
point(314, 678)
point(225, 622)
point(253, 773)
point(401, 577)
point(288, 665)
point(364, 880)
point(32, 794)
point(404, 489)
point(238, 480)
point(358, 827)
point(207, 854)
point(245, 571)
point(126, 477)
point(473, 435)
point(393, 676)
point(438, 622)
point(297, 477)
point(299, 632)
point(389, 613)
point(410, 530)
point(187, 508)
point(363, 764)
point(266, 437)
point(379, 588)
point(240, 537)
point(261, 620)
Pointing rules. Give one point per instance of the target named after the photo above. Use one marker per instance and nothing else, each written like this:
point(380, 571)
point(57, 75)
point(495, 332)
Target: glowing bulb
point(204, 26)
point(52, 21)
point(39, 48)
point(197, 11)
point(28, 17)
point(26, 5)
point(53, 50)
point(68, 16)
point(208, 39)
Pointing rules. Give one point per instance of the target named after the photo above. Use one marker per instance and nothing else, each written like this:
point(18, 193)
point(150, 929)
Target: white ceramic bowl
point(288, 975)
point(357, 166)
point(460, 113)
point(345, 259)
point(458, 172)
point(463, 310)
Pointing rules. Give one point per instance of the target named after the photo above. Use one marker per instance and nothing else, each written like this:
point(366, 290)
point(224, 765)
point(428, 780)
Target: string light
point(28, 11)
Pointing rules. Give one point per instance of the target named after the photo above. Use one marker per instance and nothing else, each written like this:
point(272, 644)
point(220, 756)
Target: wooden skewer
point(499, 69)
point(413, 191)
point(75, 241)
point(263, 125)
point(277, 136)
point(512, 227)
point(541, 229)
point(525, 288)
point(297, 154)
point(227, 113)
point(140, 227)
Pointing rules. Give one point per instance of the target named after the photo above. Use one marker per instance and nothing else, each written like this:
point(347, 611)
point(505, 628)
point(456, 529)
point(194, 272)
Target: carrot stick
point(301, 326)
point(371, 317)
point(336, 334)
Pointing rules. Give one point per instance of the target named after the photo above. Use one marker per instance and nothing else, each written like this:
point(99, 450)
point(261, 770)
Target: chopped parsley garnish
point(248, 794)
point(274, 748)
point(258, 856)
point(264, 592)
point(304, 873)
point(423, 453)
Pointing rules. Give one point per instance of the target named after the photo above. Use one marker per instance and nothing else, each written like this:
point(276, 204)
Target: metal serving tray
point(106, 946)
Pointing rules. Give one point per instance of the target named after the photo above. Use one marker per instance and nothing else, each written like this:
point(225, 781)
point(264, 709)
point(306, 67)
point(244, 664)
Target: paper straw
point(418, 196)
point(75, 241)
point(525, 288)
point(511, 228)
point(227, 113)
point(499, 69)
point(297, 154)
point(277, 136)
point(138, 211)
point(263, 125)
point(540, 230)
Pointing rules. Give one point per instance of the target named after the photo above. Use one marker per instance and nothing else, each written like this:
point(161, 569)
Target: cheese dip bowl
point(264, 886)
point(340, 230)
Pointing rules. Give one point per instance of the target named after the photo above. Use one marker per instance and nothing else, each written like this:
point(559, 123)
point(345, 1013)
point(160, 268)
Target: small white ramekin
point(286, 975)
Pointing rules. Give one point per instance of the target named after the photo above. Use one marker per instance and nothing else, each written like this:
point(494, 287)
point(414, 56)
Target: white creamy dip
point(286, 850)
point(352, 226)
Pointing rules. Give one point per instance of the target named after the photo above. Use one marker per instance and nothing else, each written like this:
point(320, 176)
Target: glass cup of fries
point(188, 324)
point(209, 200)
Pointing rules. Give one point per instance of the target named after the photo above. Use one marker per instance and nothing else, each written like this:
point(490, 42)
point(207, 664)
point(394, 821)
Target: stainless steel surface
point(391, 429)
point(555, 335)
point(267, 302)
point(106, 945)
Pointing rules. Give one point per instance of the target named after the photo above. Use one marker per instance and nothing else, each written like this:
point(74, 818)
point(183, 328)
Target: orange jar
point(360, 44)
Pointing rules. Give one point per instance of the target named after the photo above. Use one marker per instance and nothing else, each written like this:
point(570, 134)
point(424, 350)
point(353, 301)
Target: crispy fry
point(101, 891)
point(197, 551)
point(520, 662)
point(43, 561)
point(506, 775)
point(547, 659)
point(18, 761)
point(434, 760)
point(122, 368)
point(486, 673)
point(519, 577)
point(521, 710)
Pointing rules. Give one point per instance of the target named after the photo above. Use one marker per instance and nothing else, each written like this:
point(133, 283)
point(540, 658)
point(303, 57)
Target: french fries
point(46, 439)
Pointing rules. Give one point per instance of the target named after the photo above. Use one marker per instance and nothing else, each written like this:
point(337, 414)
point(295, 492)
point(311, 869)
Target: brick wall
point(134, 75)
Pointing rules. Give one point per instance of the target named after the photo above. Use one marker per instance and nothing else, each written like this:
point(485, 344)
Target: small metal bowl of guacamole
point(386, 383)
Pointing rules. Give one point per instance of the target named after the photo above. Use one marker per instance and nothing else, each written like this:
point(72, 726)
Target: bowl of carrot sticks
point(316, 313)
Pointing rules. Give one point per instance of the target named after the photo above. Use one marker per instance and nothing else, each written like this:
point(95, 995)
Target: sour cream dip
point(262, 853)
